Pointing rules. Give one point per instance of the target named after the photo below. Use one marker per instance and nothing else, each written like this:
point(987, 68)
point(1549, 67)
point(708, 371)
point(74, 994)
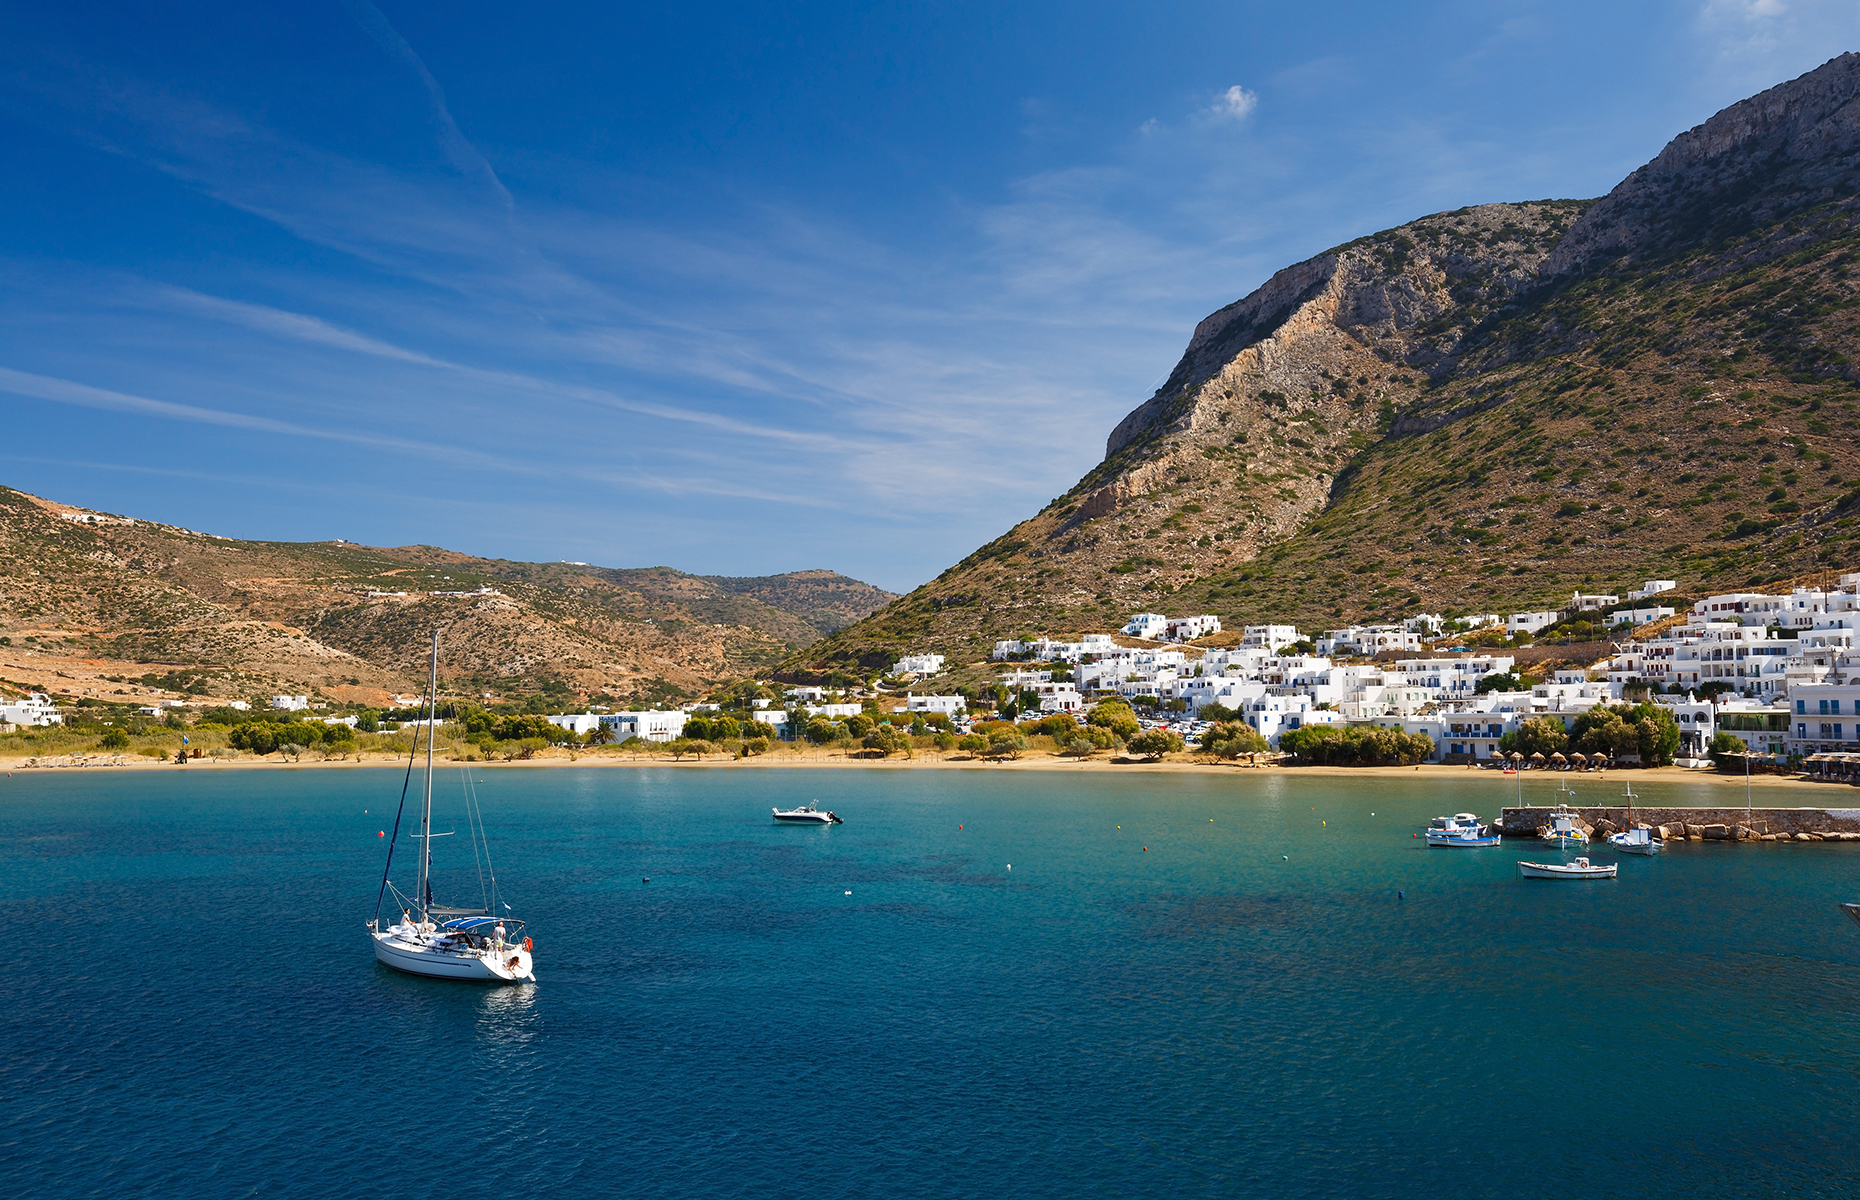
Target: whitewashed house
point(1189, 629)
point(949, 706)
point(35, 709)
point(1529, 622)
point(918, 664)
point(290, 703)
point(651, 726)
point(1270, 638)
point(1151, 626)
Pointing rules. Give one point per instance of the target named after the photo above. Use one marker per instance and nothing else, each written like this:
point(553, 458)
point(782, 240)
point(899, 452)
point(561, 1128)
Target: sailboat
point(443, 942)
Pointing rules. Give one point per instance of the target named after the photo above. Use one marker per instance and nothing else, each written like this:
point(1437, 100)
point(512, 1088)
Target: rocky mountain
point(93, 603)
point(1481, 410)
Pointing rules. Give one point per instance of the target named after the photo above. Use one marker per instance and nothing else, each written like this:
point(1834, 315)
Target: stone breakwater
point(1699, 824)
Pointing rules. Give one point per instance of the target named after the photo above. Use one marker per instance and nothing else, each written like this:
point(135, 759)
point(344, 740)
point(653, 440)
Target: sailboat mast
point(426, 813)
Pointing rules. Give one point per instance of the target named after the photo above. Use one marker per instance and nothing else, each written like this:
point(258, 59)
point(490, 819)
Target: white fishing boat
point(1582, 868)
point(445, 941)
point(1565, 826)
point(1638, 840)
point(807, 814)
point(1460, 831)
point(1635, 839)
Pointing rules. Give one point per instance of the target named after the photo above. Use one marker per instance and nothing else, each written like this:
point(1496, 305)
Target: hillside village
point(1778, 671)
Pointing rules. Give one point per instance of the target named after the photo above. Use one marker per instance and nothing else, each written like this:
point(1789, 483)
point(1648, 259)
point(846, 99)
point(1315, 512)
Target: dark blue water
point(1244, 1008)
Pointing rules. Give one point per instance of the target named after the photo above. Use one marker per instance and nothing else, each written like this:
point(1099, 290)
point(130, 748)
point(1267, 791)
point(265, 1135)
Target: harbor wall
point(1699, 824)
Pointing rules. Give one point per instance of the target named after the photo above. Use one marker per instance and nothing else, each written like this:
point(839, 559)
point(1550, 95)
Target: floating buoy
point(381, 833)
point(1146, 849)
point(645, 879)
point(1401, 895)
point(1010, 866)
point(1286, 857)
point(849, 893)
point(1323, 822)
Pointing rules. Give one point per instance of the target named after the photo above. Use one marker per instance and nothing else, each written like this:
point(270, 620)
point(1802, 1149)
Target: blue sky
point(727, 288)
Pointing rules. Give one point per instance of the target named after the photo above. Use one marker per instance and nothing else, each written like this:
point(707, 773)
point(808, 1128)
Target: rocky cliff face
point(1785, 151)
point(1485, 407)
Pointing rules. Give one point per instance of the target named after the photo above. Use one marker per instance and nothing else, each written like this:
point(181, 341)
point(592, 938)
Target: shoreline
point(924, 761)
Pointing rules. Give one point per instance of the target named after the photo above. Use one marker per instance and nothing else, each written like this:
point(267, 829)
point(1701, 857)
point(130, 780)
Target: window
point(1837, 731)
point(1824, 707)
point(1801, 706)
point(1801, 731)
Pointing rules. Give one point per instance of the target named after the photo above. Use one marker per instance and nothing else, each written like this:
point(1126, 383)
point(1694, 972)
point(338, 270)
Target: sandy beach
point(926, 761)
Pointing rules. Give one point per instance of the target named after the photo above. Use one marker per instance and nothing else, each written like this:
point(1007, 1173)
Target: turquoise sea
point(1226, 985)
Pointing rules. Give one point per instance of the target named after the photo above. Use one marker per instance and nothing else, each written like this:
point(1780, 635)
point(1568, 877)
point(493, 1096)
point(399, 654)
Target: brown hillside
point(1482, 410)
point(117, 607)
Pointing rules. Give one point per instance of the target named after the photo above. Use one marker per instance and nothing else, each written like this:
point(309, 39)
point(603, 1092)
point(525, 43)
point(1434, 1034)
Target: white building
point(835, 712)
point(1824, 716)
point(919, 664)
point(1147, 625)
point(1641, 616)
point(1651, 588)
point(1188, 629)
point(1581, 603)
point(1529, 622)
point(290, 703)
point(650, 726)
point(947, 705)
point(1368, 640)
point(35, 709)
point(1270, 638)
point(577, 723)
point(241, 705)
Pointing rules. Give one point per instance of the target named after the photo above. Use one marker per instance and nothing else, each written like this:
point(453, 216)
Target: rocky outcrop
point(1781, 151)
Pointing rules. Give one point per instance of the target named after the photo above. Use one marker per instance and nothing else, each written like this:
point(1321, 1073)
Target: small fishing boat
point(807, 814)
point(1639, 840)
point(1565, 826)
point(1636, 839)
point(1460, 831)
point(1582, 868)
point(1852, 910)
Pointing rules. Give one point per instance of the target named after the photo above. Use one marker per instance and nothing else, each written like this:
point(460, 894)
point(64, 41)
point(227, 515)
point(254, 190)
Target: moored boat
point(1582, 868)
point(807, 814)
point(1639, 840)
point(442, 942)
point(1461, 830)
point(1565, 826)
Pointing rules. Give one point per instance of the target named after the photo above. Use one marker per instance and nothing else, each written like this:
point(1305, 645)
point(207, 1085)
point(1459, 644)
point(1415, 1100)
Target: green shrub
point(1155, 743)
point(1355, 745)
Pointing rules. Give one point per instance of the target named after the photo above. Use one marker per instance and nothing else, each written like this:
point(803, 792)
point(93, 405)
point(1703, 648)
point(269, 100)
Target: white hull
point(1647, 848)
point(509, 965)
point(1462, 842)
point(1565, 871)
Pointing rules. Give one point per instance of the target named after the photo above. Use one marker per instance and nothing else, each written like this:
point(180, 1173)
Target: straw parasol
point(1579, 758)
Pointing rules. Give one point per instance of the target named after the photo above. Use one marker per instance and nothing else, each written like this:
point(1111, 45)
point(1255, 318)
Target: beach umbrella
point(1538, 757)
point(1580, 759)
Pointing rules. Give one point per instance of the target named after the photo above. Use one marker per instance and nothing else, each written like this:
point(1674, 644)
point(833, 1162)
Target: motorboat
point(1565, 826)
point(1638, 840)
point(444, 941)
point(1461, 830)
point(1582, 868)
point(1852, 910)
point(807, 814)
